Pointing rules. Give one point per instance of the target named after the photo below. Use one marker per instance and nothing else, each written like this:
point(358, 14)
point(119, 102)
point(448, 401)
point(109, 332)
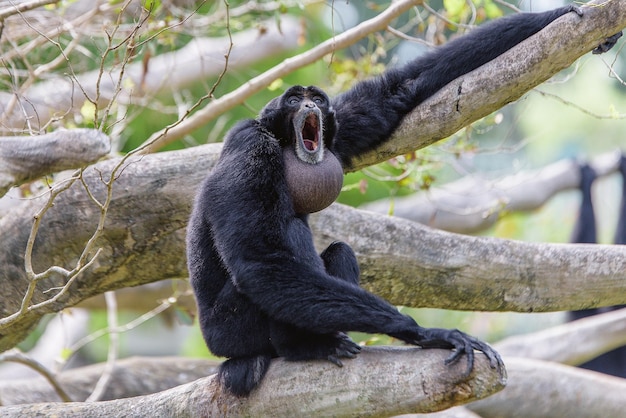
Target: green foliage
point(461, 11)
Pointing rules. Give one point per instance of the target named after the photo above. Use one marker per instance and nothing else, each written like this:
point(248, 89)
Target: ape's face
point(302, 118)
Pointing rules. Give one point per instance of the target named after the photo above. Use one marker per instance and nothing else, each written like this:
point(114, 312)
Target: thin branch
point(121, 329)
point(16, 356)
point(107, 371)
point(166, 136)
point(24, 7)
point(201, 100)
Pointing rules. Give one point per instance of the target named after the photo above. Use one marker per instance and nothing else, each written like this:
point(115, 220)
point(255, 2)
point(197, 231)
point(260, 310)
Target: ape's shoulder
point(250, 138)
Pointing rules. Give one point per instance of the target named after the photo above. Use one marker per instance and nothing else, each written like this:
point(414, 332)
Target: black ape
point(262, 290)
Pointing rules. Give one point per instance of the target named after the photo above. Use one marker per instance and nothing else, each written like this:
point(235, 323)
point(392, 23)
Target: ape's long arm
point(370, 112)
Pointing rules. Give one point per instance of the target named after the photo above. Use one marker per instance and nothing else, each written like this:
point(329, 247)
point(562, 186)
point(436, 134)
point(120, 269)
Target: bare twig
point(24, 7)
point(199, 102)
point(124, 328)
point(258, 83)
point(17, 356)
point(107, 371)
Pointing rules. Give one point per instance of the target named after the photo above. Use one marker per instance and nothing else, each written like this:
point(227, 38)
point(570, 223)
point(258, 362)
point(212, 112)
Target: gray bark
point(135, 376)
point(542, 389)
point(406, 263)
point(572, 343)
point(473, 203)
point(504, 79)
point(379, 382)
point(27, 158)
point(413, 265)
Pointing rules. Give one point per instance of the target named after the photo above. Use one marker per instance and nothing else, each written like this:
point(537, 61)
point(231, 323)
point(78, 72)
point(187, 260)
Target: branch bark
point(200, 59)
point(379, 382)
point(406, 263)
point(542, 389)
point(473, 203)
point(414, 265)
point(572, 343)
point(144, 236)
point(136, 376)
point(24, 159)
point(503, 80)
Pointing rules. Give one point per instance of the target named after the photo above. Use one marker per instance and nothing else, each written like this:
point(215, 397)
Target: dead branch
point(202, 58)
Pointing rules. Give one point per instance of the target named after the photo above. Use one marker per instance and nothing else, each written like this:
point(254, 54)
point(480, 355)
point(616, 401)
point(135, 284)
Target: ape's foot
point(607, 44)
point(331, 347)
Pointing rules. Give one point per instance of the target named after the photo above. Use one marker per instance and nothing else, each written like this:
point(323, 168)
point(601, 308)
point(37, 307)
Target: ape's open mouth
point(309, 139)
point(311, 133)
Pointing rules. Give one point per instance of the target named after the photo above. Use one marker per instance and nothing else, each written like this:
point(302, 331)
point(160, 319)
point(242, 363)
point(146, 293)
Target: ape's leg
point(237, 329)
point(296, 344)
point(340, 261)
point(231, 325)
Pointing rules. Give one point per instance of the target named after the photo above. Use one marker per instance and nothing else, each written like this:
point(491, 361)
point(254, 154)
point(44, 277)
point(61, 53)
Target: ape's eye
point(293, 100)
point(319, 100)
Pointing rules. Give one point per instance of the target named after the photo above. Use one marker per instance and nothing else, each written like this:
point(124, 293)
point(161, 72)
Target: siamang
point(612, 362)
point(262, 290)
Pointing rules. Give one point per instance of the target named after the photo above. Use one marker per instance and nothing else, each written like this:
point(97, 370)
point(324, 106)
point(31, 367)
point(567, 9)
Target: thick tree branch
point(407, 263)
point(379, 382)
point(474, 203)
point(542, 389)
point(571, 343)
point(504, 79)
point(23, 159)
point(135, 376)
point(413, 265)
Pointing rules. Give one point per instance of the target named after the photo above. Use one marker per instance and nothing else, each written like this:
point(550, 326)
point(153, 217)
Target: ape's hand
point(461, 343)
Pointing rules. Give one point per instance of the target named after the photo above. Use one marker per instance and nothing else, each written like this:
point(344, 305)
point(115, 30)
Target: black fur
point(261, 288)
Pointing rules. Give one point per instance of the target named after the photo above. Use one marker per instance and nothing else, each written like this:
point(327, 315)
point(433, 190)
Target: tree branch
point(406, 263)
point(503, 80)
point(24, 159)
point(414, 265)
point(200, 59)
point(474, 203)
point(541, 389)
point(571, 343)
point(379, 382)
point(135, 376)
point(262, 81)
